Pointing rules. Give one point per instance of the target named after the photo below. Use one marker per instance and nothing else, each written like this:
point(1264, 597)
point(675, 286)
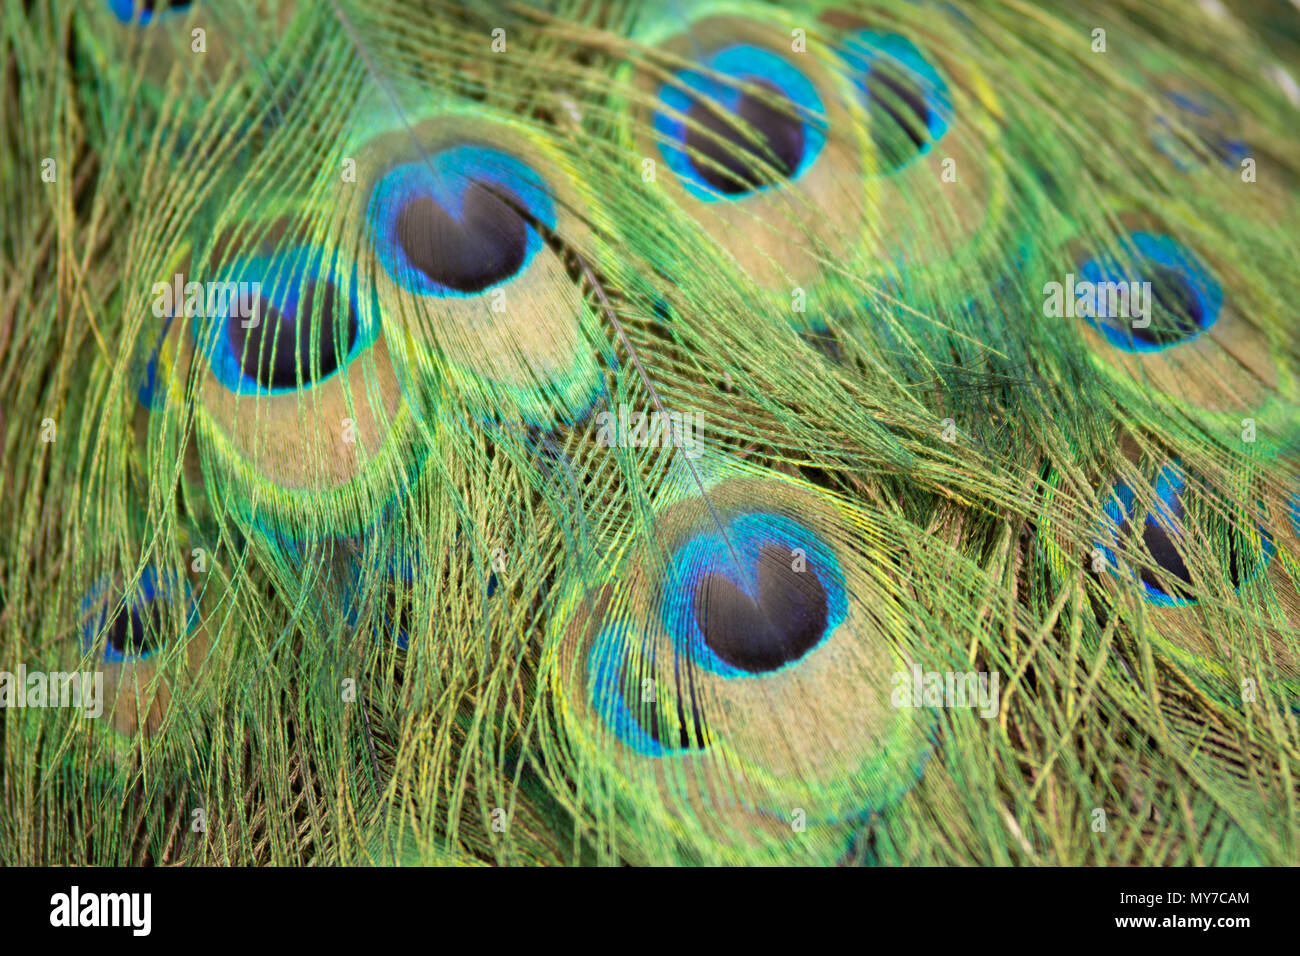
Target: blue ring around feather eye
point(711, 553)
point(605, 665)
point(125, 10)
point(146, 391)
point(1171, 482)
point(700, 555)
point(444, 177)
point(1189, 104)
point(281, 278)
point(1160, 250)
point(152, 587)
point(1234, 150)
point(742, 63)
point(865, 49)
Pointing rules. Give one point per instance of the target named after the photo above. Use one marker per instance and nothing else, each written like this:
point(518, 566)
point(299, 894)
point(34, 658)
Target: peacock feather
point(617, 431)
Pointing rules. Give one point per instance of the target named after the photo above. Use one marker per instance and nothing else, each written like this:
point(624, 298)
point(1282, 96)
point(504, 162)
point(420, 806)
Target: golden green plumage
point(653, 435)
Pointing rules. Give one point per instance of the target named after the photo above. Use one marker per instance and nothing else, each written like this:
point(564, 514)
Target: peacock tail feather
point(611, 431)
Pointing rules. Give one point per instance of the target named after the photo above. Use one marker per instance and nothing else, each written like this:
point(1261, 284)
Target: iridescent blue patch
point(606, 666)
point(278, 280)
point(445, 178)
point(97, 605)
point(1144, 255)
point(132, 11)
point(872, 57)
point(710, 553)
point(146, 374)
point(1165, 520)
point(741, 64)
point(1202, 116)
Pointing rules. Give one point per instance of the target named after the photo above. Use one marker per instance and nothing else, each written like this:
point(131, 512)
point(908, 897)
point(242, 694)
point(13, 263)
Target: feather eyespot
point(135, 627)
point(768, 615)
point(1163, 535)
point(783, 601)
point(748, 123)
point(1198, 127)
point(143, 12)
point(462, 221)
point(1183, 297)
point(908, 103)
point(783, 620)
point(285, 325)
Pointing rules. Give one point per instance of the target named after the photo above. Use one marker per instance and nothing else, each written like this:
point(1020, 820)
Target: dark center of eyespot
point(149, 6)
point(486, 245)
point(1176, 311)
point(730, 158)
point(1236, 562)
point(786, 622)
point(1163, 545)
point(900, 113)
point(136, 630)
point(278, 348)
point(1160, 537)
